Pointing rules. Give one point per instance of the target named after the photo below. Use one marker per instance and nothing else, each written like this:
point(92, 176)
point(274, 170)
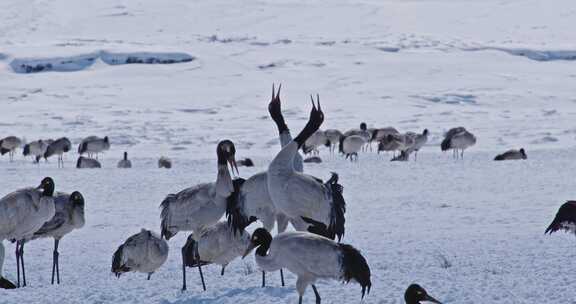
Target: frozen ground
point(469, 231)
point(504, 69)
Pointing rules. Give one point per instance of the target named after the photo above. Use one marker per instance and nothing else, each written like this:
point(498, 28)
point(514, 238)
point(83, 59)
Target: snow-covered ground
point(504, 69)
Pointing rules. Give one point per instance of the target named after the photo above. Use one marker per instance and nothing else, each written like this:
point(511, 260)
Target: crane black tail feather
point(165, 217)
point(355, 267)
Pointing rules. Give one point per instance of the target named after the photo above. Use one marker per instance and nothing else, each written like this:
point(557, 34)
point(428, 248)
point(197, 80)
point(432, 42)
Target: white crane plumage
point(304, 199)
point(458, 139)
point(36, 149)
point(199, 207)
point(94, 145)
point(419, 141)
point(218, 245)
point(363, 131)
point(310, 257)
point(69, 216)
point(254, 199)
point(58, 147)
point(22, 213)
point(317, 140)
point(9, 145)
point(409, 142)
point(351, 145)
point(333, 137)
point(142, 252)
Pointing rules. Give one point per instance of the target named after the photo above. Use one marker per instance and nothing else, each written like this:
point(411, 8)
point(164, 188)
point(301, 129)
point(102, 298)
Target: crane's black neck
point(264, 240)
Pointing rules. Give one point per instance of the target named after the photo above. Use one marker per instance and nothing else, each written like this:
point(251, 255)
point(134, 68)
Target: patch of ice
point(537, 55)
point(114, 58)
point(450, 98)
point(59, 64)
point(544, 140)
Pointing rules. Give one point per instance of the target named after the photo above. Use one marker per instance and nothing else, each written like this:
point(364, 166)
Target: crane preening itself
point(142, 252)
point(219, 244)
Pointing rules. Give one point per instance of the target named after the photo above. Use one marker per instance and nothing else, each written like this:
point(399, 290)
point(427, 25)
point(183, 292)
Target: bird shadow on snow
point(253, 291)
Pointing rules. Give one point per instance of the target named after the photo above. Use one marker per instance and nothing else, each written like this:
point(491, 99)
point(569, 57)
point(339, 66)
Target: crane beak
point(233, 165)
point(248, 250)
point(431, 299)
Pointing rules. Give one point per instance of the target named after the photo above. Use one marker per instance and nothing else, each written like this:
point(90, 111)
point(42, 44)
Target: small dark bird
point(164, 162)
point(245, 163)
point(512, 155)
point(565, 219)
point(124, 163)
point(87, 163)
point(415, 294)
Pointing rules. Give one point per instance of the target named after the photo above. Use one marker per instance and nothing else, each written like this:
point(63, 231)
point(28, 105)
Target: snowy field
point(469, 231)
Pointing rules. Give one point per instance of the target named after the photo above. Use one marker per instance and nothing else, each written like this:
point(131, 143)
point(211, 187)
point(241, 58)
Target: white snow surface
point(468, 231)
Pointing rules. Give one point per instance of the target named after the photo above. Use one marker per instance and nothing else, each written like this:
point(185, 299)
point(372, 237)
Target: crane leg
point(199, 266)
point(222, 272)
point(22, 261)
point(318, 300)
point(263, 279)
point(18, 262)
point(55, 263)
point(282, 277)
point(183, 270)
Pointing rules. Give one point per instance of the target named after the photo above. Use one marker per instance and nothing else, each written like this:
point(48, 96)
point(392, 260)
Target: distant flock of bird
point(279, 196)
point(90, 146)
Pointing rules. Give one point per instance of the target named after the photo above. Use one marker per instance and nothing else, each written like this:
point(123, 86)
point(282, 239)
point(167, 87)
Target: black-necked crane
point(219, 244)
point(512, 155)
point(58, 147)
point(415, 294)
point(333, 136)
point(143, 252)
point(94, 145)
point(69, 216)
point(304, 199)
point(458, 139)
point(22, 213)
point(363, 131)
point(9, 145)
point(419, 141)
point(124, 163)
point(35, 149)
point(310, 257)
point(317, 140)
point(199, 207)
point(351, 145)
point(565, 219)
point(380, 134)
point(254, 198)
